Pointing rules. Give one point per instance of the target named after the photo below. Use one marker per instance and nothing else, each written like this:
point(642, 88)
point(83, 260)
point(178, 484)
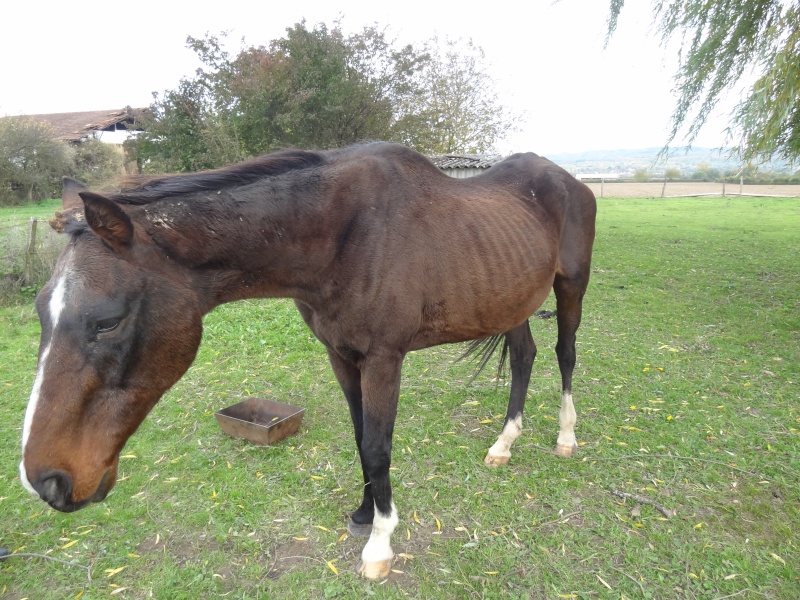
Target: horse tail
point(481, 352)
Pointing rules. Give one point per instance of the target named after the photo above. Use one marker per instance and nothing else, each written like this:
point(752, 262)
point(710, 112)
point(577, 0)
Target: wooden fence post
point(30, 253)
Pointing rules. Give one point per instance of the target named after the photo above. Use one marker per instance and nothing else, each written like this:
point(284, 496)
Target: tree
point(721, 41)
point(32, 160)
point(458, 105)
point(319, 88)
point(190, 128)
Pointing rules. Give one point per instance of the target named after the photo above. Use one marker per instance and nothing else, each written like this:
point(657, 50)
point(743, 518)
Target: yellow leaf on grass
point(112, 572)
point(332, 567)
point(778, 558)
point(72, 543)
point(603, 581)
point(416, 518)
point(118, 591)
point(300, 539)
point(322, 528)
point(78, 595)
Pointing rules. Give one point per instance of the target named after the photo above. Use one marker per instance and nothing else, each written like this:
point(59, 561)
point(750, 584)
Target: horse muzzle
point(55, 487)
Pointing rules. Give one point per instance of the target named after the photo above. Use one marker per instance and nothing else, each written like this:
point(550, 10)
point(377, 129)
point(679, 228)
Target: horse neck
point(251, 244)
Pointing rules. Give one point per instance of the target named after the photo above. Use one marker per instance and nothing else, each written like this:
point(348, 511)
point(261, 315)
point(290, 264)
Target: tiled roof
point(74, 126)
point(465, 161)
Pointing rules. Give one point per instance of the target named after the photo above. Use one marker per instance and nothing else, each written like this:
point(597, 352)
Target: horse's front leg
point(380, 387)
point(349, 377)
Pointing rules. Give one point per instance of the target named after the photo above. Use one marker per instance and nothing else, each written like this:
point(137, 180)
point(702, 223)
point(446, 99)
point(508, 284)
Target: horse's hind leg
point(523, 352)
point(569, 298)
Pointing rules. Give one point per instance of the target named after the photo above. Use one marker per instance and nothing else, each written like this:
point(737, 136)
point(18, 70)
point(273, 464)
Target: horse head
point(120, 324)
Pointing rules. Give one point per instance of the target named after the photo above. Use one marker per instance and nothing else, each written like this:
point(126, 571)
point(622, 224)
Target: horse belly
point(483, 302)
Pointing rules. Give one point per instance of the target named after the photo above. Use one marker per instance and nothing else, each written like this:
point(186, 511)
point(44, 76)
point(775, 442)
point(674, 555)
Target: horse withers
point(382, 254)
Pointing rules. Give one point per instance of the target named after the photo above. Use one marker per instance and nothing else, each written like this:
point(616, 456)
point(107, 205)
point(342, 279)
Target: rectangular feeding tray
point(260, 421)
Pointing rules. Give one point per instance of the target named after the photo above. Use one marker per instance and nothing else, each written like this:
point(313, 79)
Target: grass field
point(687, 397)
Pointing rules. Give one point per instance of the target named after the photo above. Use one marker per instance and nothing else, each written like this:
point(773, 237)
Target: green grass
point(686, 391)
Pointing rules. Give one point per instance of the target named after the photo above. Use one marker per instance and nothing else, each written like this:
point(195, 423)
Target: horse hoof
point(566, 451)
point(492, 461)
point(359, 530)
point(375, 570)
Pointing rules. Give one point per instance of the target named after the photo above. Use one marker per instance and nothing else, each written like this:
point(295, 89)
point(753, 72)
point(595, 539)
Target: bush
point(97, 163)
point(32, 161)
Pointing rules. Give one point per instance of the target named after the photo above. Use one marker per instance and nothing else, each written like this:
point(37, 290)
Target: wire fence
point(29, 249)
point(674, 189)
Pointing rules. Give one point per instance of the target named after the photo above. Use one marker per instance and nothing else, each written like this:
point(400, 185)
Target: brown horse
point(382, 254)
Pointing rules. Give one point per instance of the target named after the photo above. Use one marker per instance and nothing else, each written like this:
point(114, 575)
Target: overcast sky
point(547, 58)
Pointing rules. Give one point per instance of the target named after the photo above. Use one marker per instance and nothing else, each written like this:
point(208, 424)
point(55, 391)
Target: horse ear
point(69, 193)
point(107, 220)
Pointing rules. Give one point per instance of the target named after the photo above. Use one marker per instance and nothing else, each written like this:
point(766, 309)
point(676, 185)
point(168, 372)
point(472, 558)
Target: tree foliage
point(319, 88)
point(722, 41)
point(97, 162)
point(32, 160)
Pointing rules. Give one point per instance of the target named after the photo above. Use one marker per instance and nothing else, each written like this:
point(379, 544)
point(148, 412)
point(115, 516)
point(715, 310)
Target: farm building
point(464, 165)
point(110, 126)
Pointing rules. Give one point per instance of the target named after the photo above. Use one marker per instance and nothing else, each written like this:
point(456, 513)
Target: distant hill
point(627, 161)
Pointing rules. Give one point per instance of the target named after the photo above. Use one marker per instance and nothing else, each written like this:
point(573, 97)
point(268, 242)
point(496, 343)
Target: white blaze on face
point(56, 307)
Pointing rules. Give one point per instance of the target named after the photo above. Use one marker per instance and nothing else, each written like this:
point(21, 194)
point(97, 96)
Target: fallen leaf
point(112, 572)
point(332, 567)
point(72, 543)
point(603, 581)
point(778, 558)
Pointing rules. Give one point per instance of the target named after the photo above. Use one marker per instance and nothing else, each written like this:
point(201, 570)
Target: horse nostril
point(55, 488)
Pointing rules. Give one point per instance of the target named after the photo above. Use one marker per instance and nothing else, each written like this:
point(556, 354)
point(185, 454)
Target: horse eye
point(106, 325)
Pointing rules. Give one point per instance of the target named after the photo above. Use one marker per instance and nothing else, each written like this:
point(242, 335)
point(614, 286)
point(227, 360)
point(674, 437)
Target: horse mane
point(139, 190)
